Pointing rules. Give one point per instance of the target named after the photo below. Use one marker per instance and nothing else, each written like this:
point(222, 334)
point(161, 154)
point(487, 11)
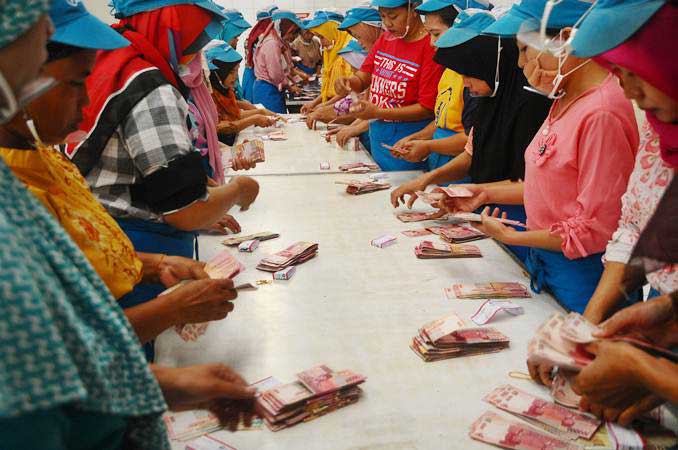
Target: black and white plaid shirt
point(154, 133)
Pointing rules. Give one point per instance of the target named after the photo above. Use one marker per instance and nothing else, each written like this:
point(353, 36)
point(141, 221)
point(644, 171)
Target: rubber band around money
point(519, 375)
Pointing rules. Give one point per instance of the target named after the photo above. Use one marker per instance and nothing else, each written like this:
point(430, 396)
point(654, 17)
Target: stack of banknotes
point(437, 250)
point(561, 342)
point(457, 233)
point(251, 150)
point(450, 338)
point(482, 291)
point(233, 241)
point(357, 187)
point(413, 216)
point(440, 193)
point(359, 167)
point(297, 253)
point(318, 391)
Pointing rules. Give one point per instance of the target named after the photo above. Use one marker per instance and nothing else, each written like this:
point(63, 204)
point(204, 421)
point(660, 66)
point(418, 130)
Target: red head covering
point(253, 39)
point(121, 78)
point(650, 54)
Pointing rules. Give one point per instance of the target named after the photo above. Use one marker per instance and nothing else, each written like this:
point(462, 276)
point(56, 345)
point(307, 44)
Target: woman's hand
point(248, 190)
point(345, 134)
point(201, 301)
point(307, 108)
point(410, 188)
point(243, 163)
point(414, 151)
point(264, 121)
point(342, 86)
point(466, 204)
point(227, 222)
point(365, 110)
point(208, 386)
point(494, 228)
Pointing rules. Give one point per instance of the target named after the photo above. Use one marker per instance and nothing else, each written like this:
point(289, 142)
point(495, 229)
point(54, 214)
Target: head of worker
point(233, 27)
point(364, 24)
point(325, 25)
point(398, 17)
point(439, 15)
point(223, 62)
point(72, 51)
point(287, 24)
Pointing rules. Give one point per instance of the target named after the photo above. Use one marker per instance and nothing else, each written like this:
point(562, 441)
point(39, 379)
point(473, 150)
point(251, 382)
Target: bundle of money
point(561, 342)
point(476, 291)
point(449, 338)
point(416, 233)
point(436, 250)
point(504, 432)
point(186, 425)
point(297, 253)
point(279, 135)
point(249, 246)
point(224, 265)
point(439, 193)
point(237, 240)
point(359, 167)
point(490, 308)
point(458, 233)
point(558, 420)
point(357, 187)
point(251, 150)
point(318, 391)
point(412, 216)
point(384, 241)
point(285, 274)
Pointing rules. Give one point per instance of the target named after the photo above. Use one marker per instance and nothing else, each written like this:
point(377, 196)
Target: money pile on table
point(237, 240)
point(561, 342)
point(505, 432)
point(479, 291)
point(279, 135)
point(474, 217)
point(437, 250)
point(449, 338)
point(318, 391)
point(562, 422)
point(457, 233)
point(251, 150)
point(297, 253)
point(359, 167)
point(412, 216)
point(357, 187)
point(223, 265)
point(185, 425)
point(441, 193)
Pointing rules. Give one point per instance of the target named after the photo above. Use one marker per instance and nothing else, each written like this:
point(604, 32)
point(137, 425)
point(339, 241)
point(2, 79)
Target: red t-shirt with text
point(403, 73)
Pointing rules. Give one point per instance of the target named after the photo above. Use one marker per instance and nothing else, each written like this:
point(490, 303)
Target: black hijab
point(503, 125)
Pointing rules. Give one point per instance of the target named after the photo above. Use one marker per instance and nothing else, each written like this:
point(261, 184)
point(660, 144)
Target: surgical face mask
point(547, 82)
point(496, 73)
point(10, 104)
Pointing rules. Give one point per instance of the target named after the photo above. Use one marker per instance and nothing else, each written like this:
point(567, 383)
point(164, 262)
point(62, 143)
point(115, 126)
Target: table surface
point(357, 307)
point(302, 153)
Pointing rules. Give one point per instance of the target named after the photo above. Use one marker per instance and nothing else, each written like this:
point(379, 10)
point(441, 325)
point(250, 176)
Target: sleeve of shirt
point(625, 237)
point(157, 138)
point(605, 161)
point(429, 77)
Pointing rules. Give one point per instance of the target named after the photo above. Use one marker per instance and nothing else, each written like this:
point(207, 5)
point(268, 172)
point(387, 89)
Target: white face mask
point(547, 82)
point(10, 104)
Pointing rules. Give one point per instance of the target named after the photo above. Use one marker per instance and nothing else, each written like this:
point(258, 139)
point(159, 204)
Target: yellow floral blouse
point(58, 184)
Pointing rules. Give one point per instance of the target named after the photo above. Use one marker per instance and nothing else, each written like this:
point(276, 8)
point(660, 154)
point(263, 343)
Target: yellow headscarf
point(333, 65)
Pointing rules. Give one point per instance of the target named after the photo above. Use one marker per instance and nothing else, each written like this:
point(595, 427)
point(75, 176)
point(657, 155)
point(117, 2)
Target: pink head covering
point(650, 54)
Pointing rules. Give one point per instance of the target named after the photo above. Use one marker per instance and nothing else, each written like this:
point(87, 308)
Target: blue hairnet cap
point(564, 14)
point(393, 3)
point(468, 25)
point(235, 17)
point(126, 8)
point(289, 15)
point(352, 46)
point(224, 53)
point(354, 16)
point(610, 23)
point(266, 13)
point(320, 17)
point(75, 26)
point(430, 6)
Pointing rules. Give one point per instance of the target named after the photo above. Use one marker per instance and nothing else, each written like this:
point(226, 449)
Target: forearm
point(424, 134)
point(361, 126)
point(452, 145)
point(151, 318)
point(249, 113)
point(608, 294)
point(203, 214)
point(245, 105)
point(538, 239)
point(411, 113)
point(657, 375)
point(452, 171)
point(503, 193)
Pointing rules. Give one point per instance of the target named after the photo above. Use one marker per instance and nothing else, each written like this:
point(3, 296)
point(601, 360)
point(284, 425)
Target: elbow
point(185, 219)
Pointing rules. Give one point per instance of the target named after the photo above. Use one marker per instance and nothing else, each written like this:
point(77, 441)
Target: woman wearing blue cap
point(273, 61)
point(402, 79)
point(223, 63)
point(263, 21)
point(576, 167)
point(445, 136)
point(307, 48)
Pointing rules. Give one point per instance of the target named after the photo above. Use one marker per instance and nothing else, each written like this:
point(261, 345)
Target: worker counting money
point(383, 225)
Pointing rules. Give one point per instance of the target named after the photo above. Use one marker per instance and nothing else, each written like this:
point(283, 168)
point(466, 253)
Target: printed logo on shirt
point(390, 78)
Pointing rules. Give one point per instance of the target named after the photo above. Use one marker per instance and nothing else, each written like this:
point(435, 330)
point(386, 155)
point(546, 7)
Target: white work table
point(302, 153)
point(357, 307)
